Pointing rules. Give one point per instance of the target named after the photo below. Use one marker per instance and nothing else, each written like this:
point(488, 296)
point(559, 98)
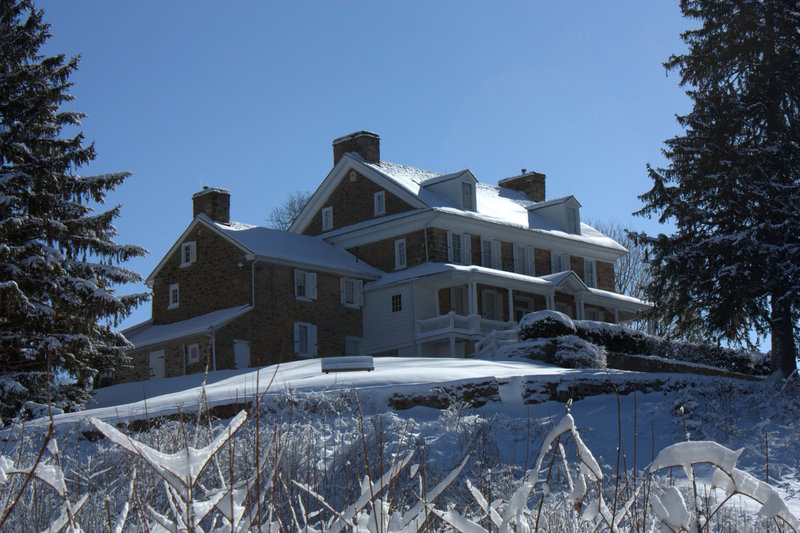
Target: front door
point(241, 354)
point(157, 368)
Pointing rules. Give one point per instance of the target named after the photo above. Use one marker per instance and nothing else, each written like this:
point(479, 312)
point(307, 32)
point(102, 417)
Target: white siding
point(385, 330)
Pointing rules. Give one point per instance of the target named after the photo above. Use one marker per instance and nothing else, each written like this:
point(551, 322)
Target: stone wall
point(214, 281)
point(605, 275)
point(353, 201)
point(380, 254)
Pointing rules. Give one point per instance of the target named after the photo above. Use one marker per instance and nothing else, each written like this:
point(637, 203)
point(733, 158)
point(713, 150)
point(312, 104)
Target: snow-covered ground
point(753, 415)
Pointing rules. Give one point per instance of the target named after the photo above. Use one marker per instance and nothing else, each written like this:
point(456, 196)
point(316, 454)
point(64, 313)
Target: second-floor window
point(351, 292)
point(458, 248)
point(193, 353)
point(174, 296)
point(379, 201)
point(589, 273)
point(486, 253)
point(188, 253)
point(305, 285)
point(397, 303)
point(400, 253)
point(327, 218)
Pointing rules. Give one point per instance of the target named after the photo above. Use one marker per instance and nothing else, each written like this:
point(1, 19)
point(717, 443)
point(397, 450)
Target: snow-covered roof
point(147, 333)
point(554, 201)
point(494, 204)
point(295, 248)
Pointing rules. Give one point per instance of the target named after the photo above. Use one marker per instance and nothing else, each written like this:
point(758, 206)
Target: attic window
point(327, 218)
point(173, 296)
point(468, 196)
point(188, 253)
point(379, 199)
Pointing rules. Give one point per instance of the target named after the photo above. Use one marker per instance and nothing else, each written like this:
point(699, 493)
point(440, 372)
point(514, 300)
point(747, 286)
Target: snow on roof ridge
point(552, 201)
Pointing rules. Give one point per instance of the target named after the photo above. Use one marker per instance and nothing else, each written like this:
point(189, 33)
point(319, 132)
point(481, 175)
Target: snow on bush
point(544, 325)
point(567, 351)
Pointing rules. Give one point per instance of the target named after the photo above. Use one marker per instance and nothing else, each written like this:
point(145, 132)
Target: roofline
point(554, 201)
point(448, 177)
point(316, 267)
point(245, 309)
point(316, 202)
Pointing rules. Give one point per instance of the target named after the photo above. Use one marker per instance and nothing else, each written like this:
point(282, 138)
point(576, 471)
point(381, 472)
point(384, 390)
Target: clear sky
point(248, 95)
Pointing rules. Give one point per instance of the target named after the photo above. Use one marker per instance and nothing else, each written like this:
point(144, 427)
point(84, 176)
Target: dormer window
point(327, 218)
point(379, 201)
point(468, 196)
point(174, 299)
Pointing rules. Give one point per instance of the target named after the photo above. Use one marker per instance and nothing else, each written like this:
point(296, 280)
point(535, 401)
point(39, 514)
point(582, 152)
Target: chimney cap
point(207, 190)
point(362, 133)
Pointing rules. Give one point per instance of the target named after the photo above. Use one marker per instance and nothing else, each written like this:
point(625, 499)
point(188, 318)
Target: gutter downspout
point(213, 349)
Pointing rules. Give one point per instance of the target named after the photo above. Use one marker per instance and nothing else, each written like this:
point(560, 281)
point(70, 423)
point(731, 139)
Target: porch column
point(616, 316)
point(550, 302)
point(452, 345)
point(510, 305)
point(580, 311)
point(473, 298)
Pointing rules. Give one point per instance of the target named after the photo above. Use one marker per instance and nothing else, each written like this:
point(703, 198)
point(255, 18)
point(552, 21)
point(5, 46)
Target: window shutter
point(193, 252)
point(296, 337)
point(497, 261)
point(359, 292)
point(342, 291)
point(312, 285)
point(450, 257)
point(312, 339)
point(555, 263)
point(530, 261)
point(519, 259)
point(466, 249)
point(565, 264)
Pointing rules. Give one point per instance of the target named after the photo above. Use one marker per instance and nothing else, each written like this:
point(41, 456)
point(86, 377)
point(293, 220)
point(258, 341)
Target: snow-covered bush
point(568, 351)
point(545, 325)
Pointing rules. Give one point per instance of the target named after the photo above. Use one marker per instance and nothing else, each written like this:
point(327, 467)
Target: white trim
point(192, 353)
point(173, 303)
point(305, 285)
point(379, 203)
point(400, 251)
point(354, 297)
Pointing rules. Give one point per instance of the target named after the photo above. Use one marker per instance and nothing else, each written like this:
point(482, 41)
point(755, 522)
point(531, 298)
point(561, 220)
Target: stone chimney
point(214, 202)
point(364, 143)
point(530, 183)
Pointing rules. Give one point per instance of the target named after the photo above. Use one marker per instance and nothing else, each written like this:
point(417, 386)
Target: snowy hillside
point(332, 428)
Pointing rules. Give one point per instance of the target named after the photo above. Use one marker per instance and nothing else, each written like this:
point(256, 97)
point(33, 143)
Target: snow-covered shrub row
point(622, 339)
point(568, 351)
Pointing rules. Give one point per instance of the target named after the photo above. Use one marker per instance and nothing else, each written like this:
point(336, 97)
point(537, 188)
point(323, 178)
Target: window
point(379, 200)
point(559, 262)
point(351, 292)
point(497, 258)
point(491, 304)
point(468, 196)
point(566, 264)
point(530, 261)
point(327, 218)
point(174, 299)
point(193, 353)
point(486, 253)
point(353, 346)
point(305, 339)
point(454, 252)
point(589, 276)
point(572, 221)
point(399, 253)
point(188, 253)
point(519, 259)
point(458, 300)
point(397, 303)
point(305, 285)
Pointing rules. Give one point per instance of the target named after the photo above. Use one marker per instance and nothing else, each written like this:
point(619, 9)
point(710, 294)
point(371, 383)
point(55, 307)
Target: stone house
point(385, 259)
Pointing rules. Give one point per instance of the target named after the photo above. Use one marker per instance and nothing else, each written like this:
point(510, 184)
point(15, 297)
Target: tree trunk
point(784, 349)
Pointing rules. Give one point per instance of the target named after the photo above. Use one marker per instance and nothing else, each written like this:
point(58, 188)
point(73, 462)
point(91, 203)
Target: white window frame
point(379, 203)
point(192, 353)
point(188, 253)
point(398, 300)
point(467, 196)
point(327, 218)
point(350, 342)
point(400, 260)
point(310, 348)
point(589, 273)
point(351, 292)
point(174, 296)
point(307, 281)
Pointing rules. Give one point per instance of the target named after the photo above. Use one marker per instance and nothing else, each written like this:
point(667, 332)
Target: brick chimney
point(364, 143)
point(530, 183)
point(214, 202)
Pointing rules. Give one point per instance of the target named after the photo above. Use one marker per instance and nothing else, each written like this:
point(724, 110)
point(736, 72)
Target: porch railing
point(454, 323)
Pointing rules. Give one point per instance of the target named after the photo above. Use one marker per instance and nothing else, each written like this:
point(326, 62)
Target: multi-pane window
point(397, 303)
point(193, 353)
point(174, 296)
point(468, 196)
point(327, 218)
point(572, 220)
point(589, 273)
point(400, 253)
point(305, 339)
point(559, 262)
point(486, 253)
point(305, 285)
point(458, 248)
point(351, 292)
point(188, 253)
point(379, 200)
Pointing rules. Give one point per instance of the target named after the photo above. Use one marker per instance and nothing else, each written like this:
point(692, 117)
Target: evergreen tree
point(732, 184)
point(58, 262)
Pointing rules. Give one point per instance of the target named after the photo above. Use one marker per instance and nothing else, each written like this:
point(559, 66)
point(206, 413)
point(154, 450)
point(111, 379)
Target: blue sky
point(249, 95)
